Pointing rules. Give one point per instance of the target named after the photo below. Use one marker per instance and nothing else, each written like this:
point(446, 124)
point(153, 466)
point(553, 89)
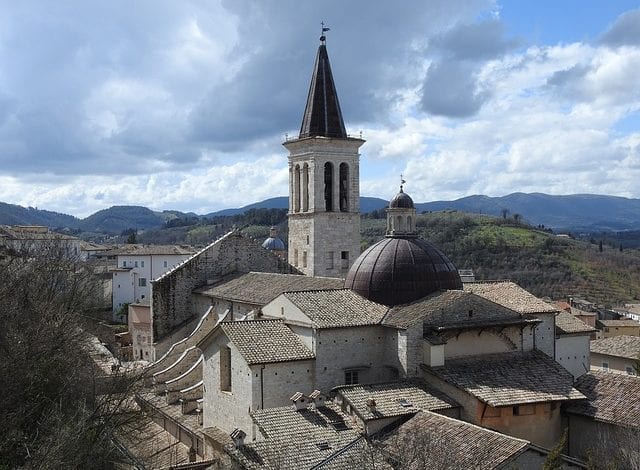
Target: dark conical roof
point(397, 270)
point(322, 115)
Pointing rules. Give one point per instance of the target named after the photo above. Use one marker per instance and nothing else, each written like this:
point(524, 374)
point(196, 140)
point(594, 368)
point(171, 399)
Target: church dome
point(401, 201)
point(273, 244)
point(400, 270)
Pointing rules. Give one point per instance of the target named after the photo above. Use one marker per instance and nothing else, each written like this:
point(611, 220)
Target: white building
point(137, 266)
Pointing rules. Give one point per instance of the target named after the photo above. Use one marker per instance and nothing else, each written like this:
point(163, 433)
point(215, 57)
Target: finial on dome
point(402, 182)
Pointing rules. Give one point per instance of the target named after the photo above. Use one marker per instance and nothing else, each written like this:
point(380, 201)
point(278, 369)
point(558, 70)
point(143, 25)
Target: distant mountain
point(577, 212)
point(367, 204)
point(11, 214)
point(119, 218)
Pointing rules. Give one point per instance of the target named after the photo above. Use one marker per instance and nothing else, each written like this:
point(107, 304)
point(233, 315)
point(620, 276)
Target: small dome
point(273, 244)
point(396, 271)
point(401, 201)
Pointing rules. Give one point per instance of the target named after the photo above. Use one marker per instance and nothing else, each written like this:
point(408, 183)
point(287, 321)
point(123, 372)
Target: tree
point(504, 211)
point(55, 412)
point(600, 246)
point(554, 459)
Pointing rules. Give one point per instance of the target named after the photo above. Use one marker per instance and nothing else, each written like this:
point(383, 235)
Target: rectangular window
point(304, 259)
point(124, 264)
point(295, 257)
point(605, 365)
point(142, 264)
point(135, 264)
point(351, 377)
point(225, 369)
point(165, 264)
point(142, 282)
point(344, 257)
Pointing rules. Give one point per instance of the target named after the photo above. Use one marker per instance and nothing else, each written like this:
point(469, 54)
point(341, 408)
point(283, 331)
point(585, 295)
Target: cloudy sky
point(184, 105)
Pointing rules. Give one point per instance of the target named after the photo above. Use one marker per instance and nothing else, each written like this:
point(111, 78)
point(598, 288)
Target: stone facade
point(324, 205)
point(172, 299)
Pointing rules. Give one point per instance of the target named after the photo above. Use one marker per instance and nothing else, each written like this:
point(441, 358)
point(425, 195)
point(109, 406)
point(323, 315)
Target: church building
point(338, 345)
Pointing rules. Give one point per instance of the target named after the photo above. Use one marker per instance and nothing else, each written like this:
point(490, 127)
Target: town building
point(37, 238)
point(136, 266)
point(623, 327)
point(619, 354)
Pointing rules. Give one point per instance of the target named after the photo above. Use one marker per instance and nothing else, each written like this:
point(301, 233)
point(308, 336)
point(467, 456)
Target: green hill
point(545, 264)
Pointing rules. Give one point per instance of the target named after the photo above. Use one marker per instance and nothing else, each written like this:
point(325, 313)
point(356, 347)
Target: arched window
point(305, 187)
point(296, 189)
point(344, 187)
point(328, 186)
point(399, 227)
point(409, 224)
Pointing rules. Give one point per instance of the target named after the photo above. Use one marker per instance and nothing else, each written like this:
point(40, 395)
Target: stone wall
point(360, 348)
point(172, 301)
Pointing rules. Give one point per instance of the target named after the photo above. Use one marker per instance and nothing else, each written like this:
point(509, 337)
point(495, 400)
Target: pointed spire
point(322, 115)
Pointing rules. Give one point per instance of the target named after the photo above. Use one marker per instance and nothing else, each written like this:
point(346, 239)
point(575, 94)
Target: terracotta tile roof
point(567, 323)
point(320, 423)
point(453, 308)
point(143, 250)
point(611, 398)
point(621, 346)
point(261, 288)
point(265, 341)
point(511, 296)
point(337, 308)
point(308, 438)
point(618, 323)
point(394, 399)
point(430, 440)
point(509, 378)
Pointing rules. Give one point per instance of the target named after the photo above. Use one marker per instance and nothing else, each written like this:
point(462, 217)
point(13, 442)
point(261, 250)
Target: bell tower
point(324, 182)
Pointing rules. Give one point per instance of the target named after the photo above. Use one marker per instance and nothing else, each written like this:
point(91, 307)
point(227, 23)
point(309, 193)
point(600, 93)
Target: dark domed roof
point(400, 270)
point(401, 200)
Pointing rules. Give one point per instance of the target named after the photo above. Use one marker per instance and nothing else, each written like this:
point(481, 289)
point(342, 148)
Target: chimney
point(300, 401)
point(318, 398)
point(371, 405)
point(238, 436)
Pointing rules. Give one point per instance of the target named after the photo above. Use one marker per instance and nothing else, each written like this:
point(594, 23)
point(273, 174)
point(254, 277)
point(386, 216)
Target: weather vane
point(323, 38)
point(402, 181)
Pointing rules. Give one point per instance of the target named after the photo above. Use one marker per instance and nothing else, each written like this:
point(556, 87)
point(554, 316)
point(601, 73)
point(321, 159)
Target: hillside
point(543, 263)
point(11, 214)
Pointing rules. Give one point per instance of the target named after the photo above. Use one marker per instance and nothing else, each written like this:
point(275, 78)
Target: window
point(296, 189)
point(142, 282)
point(344, 187)
point(304, 259)
point(166, 264)
point(295, 257)
point(135, 264)
point(351, 377)
point(630, 370)
point(328, 186)
point(225, 369)
point(605, 365)
point(344, 257)
point(142, 264)
point(124, 264)
point(305, 188)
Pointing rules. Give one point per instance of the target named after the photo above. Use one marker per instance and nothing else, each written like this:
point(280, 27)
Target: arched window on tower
point(399, 227)
point(328, 186)
point(305, 187)
point(344, 187)
point(409, 224)
point(296, 189)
